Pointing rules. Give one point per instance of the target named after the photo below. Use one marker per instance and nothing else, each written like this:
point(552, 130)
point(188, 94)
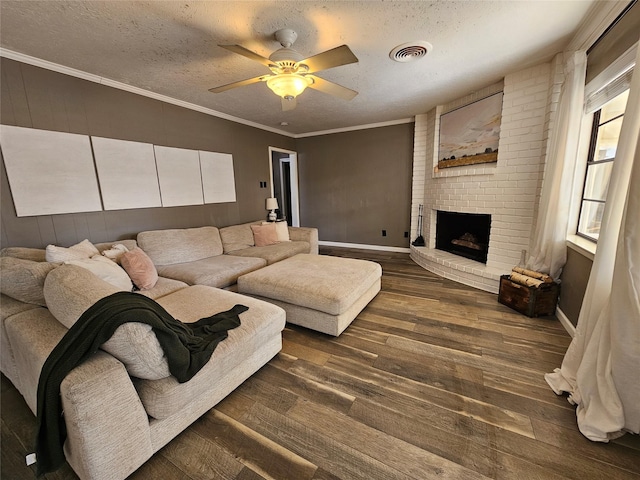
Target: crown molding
point(55, 67)
point(357, 127)
point(597, 20)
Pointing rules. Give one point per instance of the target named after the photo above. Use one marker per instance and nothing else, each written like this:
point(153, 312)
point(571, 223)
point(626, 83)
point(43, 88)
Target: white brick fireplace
point(508, 190)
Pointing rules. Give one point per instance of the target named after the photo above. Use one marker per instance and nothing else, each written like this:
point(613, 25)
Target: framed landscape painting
point(470, 134)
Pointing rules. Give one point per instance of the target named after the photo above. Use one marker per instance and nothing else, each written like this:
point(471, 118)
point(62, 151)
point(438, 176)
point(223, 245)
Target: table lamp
point(272, 206)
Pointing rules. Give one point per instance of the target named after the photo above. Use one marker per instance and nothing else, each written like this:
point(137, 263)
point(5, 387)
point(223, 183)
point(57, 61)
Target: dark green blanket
point(187, 346)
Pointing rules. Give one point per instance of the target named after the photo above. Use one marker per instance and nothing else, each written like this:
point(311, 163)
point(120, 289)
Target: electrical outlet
point(384, 233)
point(406, 234)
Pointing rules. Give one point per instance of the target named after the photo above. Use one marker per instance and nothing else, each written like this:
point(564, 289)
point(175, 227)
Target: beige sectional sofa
point(121, 406)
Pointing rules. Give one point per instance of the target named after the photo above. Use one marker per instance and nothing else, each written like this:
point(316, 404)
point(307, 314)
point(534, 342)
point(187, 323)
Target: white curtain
point(549, 250)
point(601, 369)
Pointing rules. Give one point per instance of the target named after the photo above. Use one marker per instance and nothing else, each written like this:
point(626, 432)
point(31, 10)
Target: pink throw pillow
point(264, 235)
point(140, 268)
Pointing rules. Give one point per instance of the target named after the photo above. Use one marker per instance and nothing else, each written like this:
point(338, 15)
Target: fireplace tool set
point(419, 241)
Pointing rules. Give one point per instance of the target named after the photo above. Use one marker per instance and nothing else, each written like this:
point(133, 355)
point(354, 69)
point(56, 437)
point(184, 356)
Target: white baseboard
point(566, 323)
point(364, 246)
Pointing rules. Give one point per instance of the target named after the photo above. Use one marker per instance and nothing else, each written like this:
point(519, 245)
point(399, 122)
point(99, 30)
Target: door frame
point(293, 185)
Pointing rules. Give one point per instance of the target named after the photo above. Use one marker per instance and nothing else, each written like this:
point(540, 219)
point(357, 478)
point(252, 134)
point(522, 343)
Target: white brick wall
point(419, 174)
point(508, 190)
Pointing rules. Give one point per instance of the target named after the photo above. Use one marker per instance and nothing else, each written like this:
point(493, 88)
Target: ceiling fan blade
point(245, 52)
point(241, 83)
point(331, 58)
point(332, 88)
point(288, 104)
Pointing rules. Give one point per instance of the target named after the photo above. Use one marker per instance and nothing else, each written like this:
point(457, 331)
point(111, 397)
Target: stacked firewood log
point(529, 278)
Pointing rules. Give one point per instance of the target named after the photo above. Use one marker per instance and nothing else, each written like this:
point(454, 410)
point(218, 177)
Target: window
point(607, 122)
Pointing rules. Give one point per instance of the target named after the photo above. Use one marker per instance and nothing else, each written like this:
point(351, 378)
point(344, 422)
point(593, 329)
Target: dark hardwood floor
point(432, 380)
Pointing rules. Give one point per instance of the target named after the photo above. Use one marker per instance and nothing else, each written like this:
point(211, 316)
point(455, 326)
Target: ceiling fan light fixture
point(286, 55)
point(288, 85)
point(291, 74)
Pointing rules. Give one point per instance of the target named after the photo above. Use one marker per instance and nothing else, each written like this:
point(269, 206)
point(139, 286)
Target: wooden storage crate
point(531, 301)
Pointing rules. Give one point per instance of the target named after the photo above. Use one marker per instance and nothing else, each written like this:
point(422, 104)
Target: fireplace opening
point(464, 234)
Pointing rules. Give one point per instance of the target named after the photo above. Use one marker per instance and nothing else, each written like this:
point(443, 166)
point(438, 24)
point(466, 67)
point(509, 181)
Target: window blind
point(610, 90)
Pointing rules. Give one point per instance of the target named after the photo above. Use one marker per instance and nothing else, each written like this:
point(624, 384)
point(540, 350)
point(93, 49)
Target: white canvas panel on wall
point(218, 181)
point(179, 176)
point(49, 172)
point(127, 174)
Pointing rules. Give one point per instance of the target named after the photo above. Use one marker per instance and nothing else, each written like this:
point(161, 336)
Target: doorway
point(284, 183)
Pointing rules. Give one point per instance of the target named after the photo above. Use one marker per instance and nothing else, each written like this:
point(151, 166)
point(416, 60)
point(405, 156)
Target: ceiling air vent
point(408, 52)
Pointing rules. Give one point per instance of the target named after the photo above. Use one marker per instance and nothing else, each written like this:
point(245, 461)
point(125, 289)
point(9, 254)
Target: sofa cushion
point(264, 235)
point(32, 334)
point(69, 290)
point(282, 229)
point(106, 269)
point(10, 307)
point(140, 268)
point(137, 347)
point(273, 253)
point(26, 253)
point(72, 289)
point(83, 249)
point(24, 279)
point(170, 246)
point(219, 271)
point(262, 322)
point(237, 237)
point(164, 286)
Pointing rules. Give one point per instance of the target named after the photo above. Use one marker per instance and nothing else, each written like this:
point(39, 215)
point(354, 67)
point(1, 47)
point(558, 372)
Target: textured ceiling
point(171, 48)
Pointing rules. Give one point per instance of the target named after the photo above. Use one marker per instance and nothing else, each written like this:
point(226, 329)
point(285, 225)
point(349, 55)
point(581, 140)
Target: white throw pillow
point(84, 249)
point(115, 252)
point(105, 269)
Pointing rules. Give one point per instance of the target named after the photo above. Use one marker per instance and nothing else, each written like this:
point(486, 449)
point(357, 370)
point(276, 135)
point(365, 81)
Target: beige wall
point(355, 184)
point(575, 276)
point(37, 98)
point(352, 185)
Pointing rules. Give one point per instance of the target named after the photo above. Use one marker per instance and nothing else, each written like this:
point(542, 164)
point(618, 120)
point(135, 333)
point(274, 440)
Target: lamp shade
point(288, 85)
point(272, 203)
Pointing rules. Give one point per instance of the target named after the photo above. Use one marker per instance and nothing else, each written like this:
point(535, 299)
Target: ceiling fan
point(291, 74)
